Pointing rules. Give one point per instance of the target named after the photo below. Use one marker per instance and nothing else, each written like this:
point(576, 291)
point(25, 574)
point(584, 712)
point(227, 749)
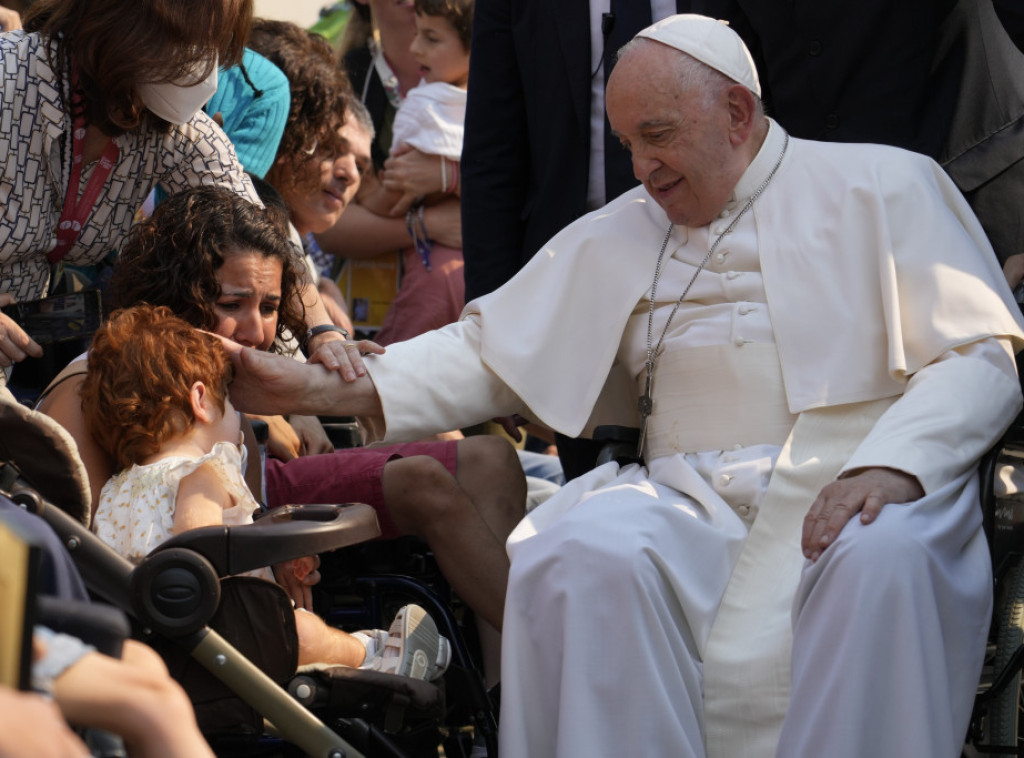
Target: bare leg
point(425, 500)
point(134, 697)
point(489, 471)
point(320, 643)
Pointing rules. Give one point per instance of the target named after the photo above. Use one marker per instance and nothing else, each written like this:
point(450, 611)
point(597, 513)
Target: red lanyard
point(77, 209)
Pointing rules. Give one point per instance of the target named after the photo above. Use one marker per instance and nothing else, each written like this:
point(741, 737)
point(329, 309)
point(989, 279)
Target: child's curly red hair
point(142, 365)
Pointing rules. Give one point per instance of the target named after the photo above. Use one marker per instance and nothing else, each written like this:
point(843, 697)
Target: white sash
point(715, 398)
point(747, 661)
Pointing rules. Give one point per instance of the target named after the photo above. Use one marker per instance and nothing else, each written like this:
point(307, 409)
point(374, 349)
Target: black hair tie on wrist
point(325, 328)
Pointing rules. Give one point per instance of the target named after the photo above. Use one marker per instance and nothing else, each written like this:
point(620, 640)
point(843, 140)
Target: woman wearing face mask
point(102, 101)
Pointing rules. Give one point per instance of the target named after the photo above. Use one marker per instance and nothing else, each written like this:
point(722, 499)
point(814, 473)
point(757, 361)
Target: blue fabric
point(253, 124)
point(58, 575)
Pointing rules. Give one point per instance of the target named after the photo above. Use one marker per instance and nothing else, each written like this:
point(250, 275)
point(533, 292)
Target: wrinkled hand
point(444, 223)
point(283, 441)
point(344, 356)
point(269, 383)
point(15, 345)
point(864, 492)
point(313, 437)
point(411, 174)
point(297, 577)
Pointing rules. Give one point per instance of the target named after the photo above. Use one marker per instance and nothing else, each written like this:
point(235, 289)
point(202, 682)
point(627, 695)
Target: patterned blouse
point(35, 167)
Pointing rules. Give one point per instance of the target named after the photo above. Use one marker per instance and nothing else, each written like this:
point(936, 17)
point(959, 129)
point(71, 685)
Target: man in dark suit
point(891, 73)
point(834, 71)
point(526, 158)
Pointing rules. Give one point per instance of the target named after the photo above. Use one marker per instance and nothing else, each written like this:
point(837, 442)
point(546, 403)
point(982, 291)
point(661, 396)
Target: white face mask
point(177, 102)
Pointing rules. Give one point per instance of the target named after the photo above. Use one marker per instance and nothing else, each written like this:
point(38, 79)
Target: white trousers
point(615, 584)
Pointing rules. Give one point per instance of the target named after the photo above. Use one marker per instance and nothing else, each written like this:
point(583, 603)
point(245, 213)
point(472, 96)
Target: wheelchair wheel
point(1005, 722)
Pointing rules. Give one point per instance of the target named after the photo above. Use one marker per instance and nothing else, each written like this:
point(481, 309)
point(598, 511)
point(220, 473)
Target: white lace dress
point(136, 508)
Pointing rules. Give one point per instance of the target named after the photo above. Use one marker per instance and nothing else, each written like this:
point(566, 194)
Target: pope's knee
point(888, 547)
point(592, 559)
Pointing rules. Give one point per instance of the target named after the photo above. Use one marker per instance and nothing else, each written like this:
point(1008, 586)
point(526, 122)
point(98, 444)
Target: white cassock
point(854, 317)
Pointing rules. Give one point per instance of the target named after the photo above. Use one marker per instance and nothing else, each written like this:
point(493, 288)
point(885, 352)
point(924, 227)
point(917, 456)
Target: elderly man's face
point(680, 145)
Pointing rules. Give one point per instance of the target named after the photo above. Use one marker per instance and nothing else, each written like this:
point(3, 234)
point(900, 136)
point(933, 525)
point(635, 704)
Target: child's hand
point(297, 577)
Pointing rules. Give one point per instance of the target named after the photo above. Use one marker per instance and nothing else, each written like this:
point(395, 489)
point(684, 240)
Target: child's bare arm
point(201, 500)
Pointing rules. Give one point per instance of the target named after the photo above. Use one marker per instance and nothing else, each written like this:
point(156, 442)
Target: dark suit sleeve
point(1011, 13)
point(495, 157)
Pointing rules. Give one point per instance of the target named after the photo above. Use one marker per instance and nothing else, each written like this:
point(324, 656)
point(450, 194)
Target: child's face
point(439, 51)
point(228, 427)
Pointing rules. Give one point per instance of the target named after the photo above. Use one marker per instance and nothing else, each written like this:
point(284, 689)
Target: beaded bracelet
point(417, 228)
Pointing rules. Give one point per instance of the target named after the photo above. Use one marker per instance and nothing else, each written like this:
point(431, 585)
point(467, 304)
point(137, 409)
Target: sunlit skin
point(396, 21)
point(247, 308)
point(687, 154)
point(439, 51)
point(317, 209)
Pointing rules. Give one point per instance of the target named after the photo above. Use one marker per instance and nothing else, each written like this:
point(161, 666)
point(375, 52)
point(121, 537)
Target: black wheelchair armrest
point(102, 626)
point(342, 431)
point(279, 535)
point(619, 444)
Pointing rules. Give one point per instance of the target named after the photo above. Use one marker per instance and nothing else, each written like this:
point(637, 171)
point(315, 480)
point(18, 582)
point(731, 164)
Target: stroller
point(184, 600)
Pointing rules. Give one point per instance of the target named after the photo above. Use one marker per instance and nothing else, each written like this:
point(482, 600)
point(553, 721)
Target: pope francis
point(817, 342)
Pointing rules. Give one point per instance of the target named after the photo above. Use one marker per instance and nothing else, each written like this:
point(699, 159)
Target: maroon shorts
point(353, 475)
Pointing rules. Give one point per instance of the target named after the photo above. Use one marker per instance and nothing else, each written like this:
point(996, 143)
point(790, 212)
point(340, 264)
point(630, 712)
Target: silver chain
point(645, 403)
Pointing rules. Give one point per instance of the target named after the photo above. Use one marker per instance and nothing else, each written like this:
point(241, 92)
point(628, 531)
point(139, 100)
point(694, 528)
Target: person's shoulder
point(200, 136)
point(885, 164)
point(20, 40)
point(26, 48)
point(264, 74)
point(631, 219)
point(861, 153)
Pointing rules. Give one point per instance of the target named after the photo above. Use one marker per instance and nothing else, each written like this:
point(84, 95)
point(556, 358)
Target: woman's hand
point(412, 175)
point(313, 438)
point(343, 356)
point(283, 442)
point(15, 345)
point(297, 577)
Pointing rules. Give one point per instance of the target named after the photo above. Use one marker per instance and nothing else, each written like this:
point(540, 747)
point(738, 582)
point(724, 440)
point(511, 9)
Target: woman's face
point(250, 298)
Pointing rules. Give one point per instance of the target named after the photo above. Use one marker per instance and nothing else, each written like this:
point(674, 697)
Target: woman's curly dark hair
point(320, 94)
point(114, 45)
point(172, 258)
